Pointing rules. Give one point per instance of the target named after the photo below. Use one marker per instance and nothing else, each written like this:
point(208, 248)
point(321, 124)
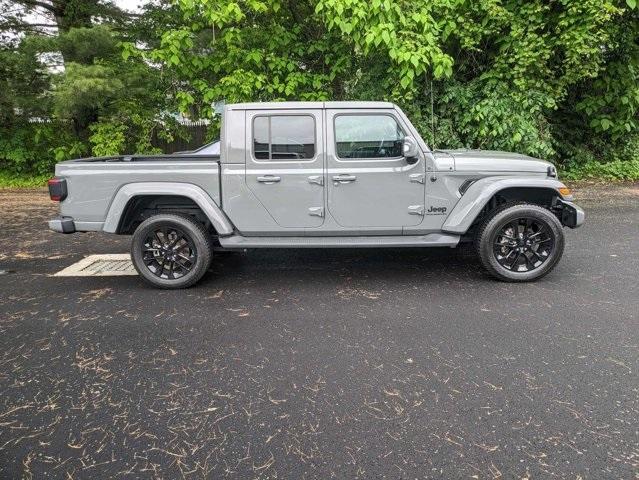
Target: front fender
point(479, 194)
point(221, 223)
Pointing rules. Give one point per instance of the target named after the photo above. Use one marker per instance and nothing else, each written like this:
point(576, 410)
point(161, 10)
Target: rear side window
point(284, 137)
point(368, 136)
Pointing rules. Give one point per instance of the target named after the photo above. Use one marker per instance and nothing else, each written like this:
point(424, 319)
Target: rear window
point(284, 137)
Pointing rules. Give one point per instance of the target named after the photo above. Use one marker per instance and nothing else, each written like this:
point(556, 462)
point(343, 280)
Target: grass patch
point(11, 180)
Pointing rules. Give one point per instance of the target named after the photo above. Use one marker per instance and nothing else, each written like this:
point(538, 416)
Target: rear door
point(370, 183)
point(285, 165)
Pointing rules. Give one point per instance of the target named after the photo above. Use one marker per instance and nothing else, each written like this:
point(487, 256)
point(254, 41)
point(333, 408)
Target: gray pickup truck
point(316, 175)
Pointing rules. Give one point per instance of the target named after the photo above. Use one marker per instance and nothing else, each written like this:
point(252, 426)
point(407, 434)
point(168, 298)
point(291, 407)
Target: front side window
point(284, 137)
point(368, 136)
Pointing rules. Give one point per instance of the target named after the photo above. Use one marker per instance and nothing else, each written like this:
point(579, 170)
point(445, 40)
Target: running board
point(430, 240)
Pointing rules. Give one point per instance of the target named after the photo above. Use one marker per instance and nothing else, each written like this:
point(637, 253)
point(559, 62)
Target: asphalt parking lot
point(321, 363)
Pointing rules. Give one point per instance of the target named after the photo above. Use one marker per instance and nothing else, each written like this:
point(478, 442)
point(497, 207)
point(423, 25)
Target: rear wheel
point(520, 242)
point(171, 251)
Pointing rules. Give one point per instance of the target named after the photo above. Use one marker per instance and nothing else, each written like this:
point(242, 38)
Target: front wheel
point(520, 242)
point(171, 251)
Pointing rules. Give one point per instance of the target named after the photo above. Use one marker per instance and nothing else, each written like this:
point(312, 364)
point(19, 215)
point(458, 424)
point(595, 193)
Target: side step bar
point(430, 240)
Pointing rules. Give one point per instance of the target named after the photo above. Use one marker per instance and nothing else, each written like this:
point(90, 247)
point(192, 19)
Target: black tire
point(525, 237)
point(156, 241)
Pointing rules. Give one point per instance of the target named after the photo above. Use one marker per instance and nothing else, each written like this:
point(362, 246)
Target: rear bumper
point(62, 225)
point(572, 215)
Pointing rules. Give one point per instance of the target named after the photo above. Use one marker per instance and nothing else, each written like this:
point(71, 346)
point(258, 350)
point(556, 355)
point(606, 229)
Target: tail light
point(57, 189)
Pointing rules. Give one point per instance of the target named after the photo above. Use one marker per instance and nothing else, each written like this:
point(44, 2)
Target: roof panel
point(275, 105)
point(358, 105)
point(306, 105)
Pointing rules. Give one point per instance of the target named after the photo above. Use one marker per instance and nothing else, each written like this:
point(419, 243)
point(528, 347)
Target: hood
point(494, 161)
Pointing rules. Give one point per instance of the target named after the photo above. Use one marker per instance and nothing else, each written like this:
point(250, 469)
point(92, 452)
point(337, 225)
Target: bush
point(10, 180)
point(33, 148)
point(615, 170)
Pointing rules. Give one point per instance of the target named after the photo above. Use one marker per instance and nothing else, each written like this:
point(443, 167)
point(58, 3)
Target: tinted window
point(368, 136)
point(284, 137)
point(260, 138)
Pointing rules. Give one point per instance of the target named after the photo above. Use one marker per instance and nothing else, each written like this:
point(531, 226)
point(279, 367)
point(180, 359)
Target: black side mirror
point(410, 150)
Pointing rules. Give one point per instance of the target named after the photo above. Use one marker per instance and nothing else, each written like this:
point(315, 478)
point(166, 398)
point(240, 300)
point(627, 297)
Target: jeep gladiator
point(316, 175)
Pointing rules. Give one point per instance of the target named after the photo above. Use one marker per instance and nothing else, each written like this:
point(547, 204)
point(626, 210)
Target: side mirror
point(410, 150)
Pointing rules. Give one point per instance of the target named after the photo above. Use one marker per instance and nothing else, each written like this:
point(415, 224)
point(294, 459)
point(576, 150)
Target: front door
point(285, 166)
point(370, 183)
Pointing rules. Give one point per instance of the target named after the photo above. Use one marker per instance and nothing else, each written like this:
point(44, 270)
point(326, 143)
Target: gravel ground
point(321, 363)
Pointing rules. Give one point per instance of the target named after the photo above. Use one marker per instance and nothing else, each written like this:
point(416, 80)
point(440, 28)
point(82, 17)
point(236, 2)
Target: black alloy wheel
point(169, 253)
point(520, 242)
point(523, 244)
point(171, 250)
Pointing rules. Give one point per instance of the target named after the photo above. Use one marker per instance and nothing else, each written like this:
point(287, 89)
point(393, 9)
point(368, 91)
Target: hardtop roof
point(306, 105)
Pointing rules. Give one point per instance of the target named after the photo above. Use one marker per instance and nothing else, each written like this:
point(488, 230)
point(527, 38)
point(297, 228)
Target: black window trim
point(361, 114)
point(269, 116)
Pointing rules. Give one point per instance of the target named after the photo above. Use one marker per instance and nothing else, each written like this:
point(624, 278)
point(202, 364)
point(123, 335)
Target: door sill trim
point(429, 240)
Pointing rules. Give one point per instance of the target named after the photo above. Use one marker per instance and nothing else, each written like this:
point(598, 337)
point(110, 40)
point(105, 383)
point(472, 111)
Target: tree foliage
point(69, 91)
point(554, 79)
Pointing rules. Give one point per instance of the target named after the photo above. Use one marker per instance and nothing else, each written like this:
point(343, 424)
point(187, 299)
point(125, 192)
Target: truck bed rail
point(174, 157)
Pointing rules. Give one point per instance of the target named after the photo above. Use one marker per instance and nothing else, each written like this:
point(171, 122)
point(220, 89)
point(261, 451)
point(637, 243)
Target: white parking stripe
point(106, 265)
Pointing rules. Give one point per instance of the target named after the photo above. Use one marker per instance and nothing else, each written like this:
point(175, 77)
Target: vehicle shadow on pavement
point(325, 264)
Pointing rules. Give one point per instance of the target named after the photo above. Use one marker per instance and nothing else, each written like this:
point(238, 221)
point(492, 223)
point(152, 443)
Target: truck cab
point(334, 168)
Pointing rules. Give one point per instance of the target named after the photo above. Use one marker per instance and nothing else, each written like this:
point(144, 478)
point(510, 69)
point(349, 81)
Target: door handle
point(416, 210)
point(316, 179)
point(268, 179)
point(344, 178)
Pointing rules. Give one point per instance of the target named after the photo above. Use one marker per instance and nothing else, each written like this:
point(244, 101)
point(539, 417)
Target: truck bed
point(92, 183)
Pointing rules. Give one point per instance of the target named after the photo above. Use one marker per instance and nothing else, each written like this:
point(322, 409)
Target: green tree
point(66, 84)
point(501, 73)
point(552, 79)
